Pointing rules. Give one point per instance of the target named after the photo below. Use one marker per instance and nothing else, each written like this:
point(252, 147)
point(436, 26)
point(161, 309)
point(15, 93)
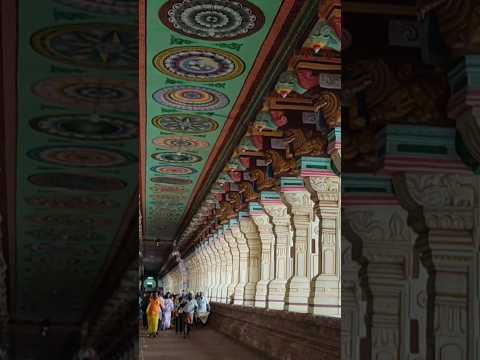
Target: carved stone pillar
point(228, 266)
point(277, 210)
point(203, 270)
point(267, 239)
point(249, 229)
point(221, 290)
point(243, 263)
point(443, 209)
point(384, 244)
point(353, 306)
point(211, 270)
point(325, 297)
point(235, 256)
point(218, 268)
point(300, 207)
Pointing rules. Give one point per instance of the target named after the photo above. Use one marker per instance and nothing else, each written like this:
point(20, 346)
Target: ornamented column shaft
point(211, 269)
point(267, 239)
point(300, 207)
point(228, 266)
point(221, 290)
point(235, 256)
point(324, 187)
point(217, 268)
point(249, 229)
point(442, 210)
point(207, 269)
point(277, 210)
point(244, 261)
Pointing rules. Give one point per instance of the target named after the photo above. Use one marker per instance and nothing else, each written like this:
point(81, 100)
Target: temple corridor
point(240, 172)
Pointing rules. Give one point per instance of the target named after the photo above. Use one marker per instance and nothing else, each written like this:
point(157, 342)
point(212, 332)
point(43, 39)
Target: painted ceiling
point(77, 148)
point(198, 57)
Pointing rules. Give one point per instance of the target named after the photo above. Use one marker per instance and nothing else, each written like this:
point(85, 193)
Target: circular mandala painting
point(180, 143)
point(107, 7)
point(191, 98)
point(77, 182)
point(68, 220)
point(173, 170)
point(93, 127)
point(199, 64)
point(89, 93)
point(104, 46)
point(216, 20)
point(171, 180)
point(176, 157)
point(82, 156)
point(185, 123)
point(80, 202)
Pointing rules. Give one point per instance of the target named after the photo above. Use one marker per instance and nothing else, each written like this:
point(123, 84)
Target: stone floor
point(202, 344)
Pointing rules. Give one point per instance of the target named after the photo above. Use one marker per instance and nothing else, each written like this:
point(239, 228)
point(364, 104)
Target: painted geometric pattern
point(193, 79)
point(77, 156)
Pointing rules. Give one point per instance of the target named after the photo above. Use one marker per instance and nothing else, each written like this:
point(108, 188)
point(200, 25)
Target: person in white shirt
point(189, 310)
point(203, 305)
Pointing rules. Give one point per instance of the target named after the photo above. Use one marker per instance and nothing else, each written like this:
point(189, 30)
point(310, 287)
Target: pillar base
point(325, 296)
point(298, 291)
point(249, 296)
point(230, 294)
point(276, 294)
point(261, 294)
point(238, 296)
point(222, 291)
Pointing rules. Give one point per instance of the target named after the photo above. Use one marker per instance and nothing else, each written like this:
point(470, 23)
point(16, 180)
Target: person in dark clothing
point(179, 314)
point(145, 302)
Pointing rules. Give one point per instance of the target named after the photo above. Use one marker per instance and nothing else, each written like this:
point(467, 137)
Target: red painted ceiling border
point(142, 99)
point(9, 36)
point(260, 63)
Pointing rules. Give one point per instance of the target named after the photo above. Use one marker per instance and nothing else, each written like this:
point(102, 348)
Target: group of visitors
point(156, 312)
point(185, 309)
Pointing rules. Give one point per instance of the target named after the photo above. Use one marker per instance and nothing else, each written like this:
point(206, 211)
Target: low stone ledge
point(280, 335)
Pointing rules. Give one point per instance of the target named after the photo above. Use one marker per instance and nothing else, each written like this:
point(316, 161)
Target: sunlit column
point(211, 269)
point(222, 268)
point(267, 239)
point(216, 267)
point(300, 207)
point(235, 256)
point(250, 231)
point(325, 192)
point(205, 269)
point(227, 255)
point(277, 210)
point(244, 260)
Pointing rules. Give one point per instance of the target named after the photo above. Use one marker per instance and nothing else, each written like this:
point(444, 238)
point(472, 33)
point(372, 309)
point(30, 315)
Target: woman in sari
point(153, 313)
point(167, 312)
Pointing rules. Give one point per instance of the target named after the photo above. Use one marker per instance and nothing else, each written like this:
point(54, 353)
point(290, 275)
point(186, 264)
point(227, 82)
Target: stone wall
point(279, 334)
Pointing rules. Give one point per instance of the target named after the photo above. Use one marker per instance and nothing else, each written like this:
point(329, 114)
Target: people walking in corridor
point(189, 310)
point(203, 308)
point(167, 312)
point(153, 313)
point(179, 314)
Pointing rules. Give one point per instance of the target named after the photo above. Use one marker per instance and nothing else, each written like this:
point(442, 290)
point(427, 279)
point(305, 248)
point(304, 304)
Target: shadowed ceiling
point(71, 134)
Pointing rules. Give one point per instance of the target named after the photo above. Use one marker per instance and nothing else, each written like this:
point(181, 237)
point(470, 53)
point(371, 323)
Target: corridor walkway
point(203, 344)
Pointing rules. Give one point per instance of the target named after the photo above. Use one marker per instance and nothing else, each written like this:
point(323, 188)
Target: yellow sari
point(153, 312)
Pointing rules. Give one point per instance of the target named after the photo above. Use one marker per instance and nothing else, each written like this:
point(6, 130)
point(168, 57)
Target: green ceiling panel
point(198, 56)
point(77, 157)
